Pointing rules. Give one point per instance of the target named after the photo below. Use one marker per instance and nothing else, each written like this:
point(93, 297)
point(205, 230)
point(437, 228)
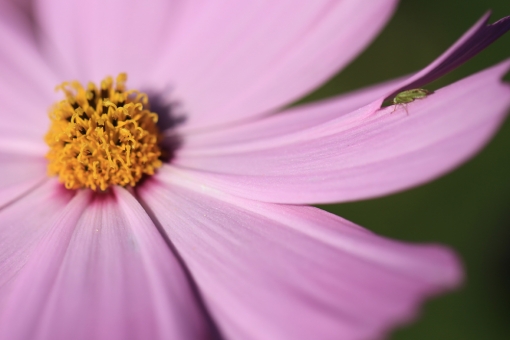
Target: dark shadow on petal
point(170, 112)
point(170, 116)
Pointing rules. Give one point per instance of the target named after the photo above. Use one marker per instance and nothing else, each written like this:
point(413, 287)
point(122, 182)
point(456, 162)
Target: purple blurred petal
point(364, 154)
point(22, 140)
point(26, 83)
point(18, 174)
point(470, 44)
point(271, 271)
point(103, 267)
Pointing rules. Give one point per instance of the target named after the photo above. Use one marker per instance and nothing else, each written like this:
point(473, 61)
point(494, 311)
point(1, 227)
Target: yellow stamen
point(102, 137)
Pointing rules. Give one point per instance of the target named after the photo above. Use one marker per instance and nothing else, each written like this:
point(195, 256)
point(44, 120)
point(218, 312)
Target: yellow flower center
point(102, 137)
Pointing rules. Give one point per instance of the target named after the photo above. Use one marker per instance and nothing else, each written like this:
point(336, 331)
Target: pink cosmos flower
point(218, 243)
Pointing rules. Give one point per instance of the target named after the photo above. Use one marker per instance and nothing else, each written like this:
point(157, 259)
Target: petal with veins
point(107, 272)
point(22, 225)
point(272, 271)
point(289, 121)
point(364, 154)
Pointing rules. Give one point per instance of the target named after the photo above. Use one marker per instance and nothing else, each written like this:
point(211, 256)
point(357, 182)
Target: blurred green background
point(468, 209)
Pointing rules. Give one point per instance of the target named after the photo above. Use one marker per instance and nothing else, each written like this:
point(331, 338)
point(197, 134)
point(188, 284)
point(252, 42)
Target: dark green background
point(468, 209)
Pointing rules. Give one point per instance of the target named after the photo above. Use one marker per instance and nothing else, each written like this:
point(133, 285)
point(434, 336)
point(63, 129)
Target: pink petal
point(289, 121)
point(366, 153)
point(240, 59)
point(27, 83)
point(272, 271)
point(18, 174)
point(105, 273)
point(21, 139)
point(22, 225)
point(96, 38)
point(225, 61)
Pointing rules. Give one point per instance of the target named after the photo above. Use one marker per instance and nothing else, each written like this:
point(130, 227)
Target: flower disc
point(102, 137)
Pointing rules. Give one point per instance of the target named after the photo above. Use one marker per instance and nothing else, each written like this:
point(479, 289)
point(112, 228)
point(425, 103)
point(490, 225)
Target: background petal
point(103, 274)
point(271, 271)
point(223, 61)
point(97, 38)
point(27, 83)
point(19, 173)
point(364, 154)
point(26, 87)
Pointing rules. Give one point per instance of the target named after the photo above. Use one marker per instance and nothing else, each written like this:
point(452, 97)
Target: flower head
point(102, 137)
point(216, 241)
